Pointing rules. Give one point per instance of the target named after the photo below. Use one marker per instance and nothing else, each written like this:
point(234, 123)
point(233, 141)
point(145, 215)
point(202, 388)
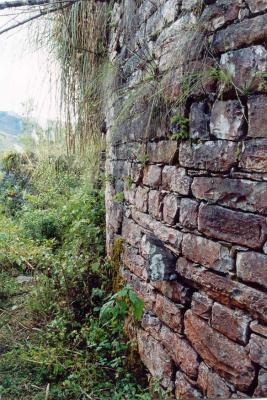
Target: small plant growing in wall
point(179, 127)
point(128, 182)
point(119, 197)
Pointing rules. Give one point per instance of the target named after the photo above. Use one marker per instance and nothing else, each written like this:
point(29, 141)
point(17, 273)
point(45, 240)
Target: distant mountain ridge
point(11, 123)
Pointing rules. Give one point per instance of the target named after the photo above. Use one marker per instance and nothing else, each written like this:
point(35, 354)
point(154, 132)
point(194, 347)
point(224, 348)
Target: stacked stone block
point(194, 214)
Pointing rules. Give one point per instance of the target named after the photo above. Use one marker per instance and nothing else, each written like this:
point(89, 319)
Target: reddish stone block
point(234, 193)
point(162, 152)
point(224, 290)
point(151, 324)
point(155, 203)
point(227, 120)
point(171, 207)
point(184, 389)
point(261, 389)
point(217, 15)
point(181, 352)
point(229, 359)
point(257, 116)
point(199, 121)
point(170, 313)
point(141, 199)
point(155, 358)
point(174, 291)
point(206, 252)
point(189, 213)
point(131, 232)
point(258, 328)
point(176, 180)
point(232, 323)
point(245, 66)
point(235, 36)
point(215, 156)
point(252, 267)
point(212, 385)
point(256, 6)
point(134, 262)
point(232, 226)
point(152, 176)
point(201, 305)
point(254, 156)
point(257, 350)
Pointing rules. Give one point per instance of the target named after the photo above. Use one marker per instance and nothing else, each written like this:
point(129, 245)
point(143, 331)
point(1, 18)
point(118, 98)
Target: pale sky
point(25, 72)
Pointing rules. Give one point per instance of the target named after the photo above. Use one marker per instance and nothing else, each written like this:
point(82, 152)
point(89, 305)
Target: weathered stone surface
point(184, 389)
point(152, 176)
point(254, 155)
point(171, 207)
point(201, 305)
point(155, 358)
point(180, 351)
point(199, 121)
point(257, 5)
point(232, 226)
point(176, 180)
point(245, 66)
point(227, 120)
point(261, 389)
point(151, 324)
point(213, 156)
point(115, 216)
point(155, 203)
point(220, 353)
point(129, 194)
point(141, 199)
point(245, 33)
point(161, 262)
point(136, 172)
point(164, 233)
point(258, 328)
point(212, 385)
point(232, 323)
point(170, 313)
point(257, 350)
point(257, 116)
point(224, 290)
point(131, 232)
point(162, 152)
point(252, 267)
point(174, 291)
point(134, 262)
point(206, 252)
point(234, 193)
point(164, 15)
point(189, 213)
point(217, 15)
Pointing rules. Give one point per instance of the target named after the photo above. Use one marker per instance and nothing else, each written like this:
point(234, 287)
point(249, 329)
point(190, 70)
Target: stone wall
point(187, 188)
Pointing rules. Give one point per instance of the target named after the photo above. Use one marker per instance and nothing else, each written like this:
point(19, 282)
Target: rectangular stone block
point(252, 268)
point(254, 156)
point(129, 194)
point(161, 152)
point(229, 359)
point(199, 121)
point(232, 323)
point(261, 389)
point(257, 116)
point(134, 262)
point(258, 328)
point(223, 289)
point(189, 213)
point(220, 13)
point(184, 389)
point(171, 207)
point(170, 313)
point(234, 193)
point(155, 358)
point(232, 226)
point(215, 156)
point(257, 350)
point(212, 385)
point(141, 199)
point(181, 352)
point(155, 204)
point(249, 31)
point(175, 291)
point(151, 324)
point(176, 180)
point(256, 6)
point(201, 305)
point(207, 253)
point(152, 176)
point(227, 120)
point(131, 232)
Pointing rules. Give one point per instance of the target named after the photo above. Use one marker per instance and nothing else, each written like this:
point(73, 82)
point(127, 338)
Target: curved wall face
point(187, 188)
